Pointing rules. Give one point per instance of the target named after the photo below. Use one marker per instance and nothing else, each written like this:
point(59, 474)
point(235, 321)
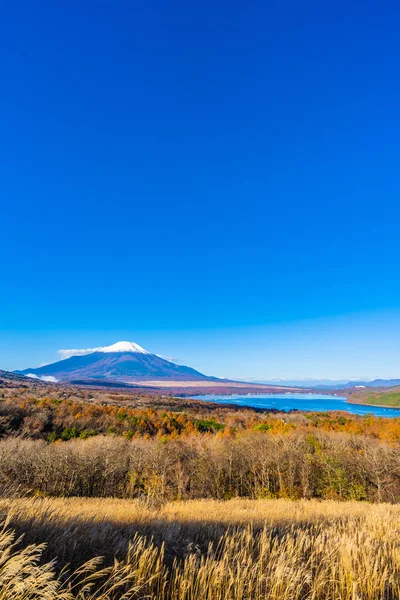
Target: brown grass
point(202, 550)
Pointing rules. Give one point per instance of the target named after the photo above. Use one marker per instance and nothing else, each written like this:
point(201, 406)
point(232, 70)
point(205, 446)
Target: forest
point(67, 441)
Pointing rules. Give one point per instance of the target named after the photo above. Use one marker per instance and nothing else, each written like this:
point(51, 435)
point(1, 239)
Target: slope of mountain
point(123, 361)
point(9, 376)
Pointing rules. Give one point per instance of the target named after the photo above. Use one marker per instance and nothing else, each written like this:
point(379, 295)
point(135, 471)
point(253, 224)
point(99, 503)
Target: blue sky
point(218, 182)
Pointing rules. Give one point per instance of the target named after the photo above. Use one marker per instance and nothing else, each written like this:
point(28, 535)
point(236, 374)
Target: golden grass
point(203, 550)
point(231, 512)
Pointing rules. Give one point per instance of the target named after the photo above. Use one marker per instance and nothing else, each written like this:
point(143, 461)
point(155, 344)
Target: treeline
point(254, 464)
point(57, 419)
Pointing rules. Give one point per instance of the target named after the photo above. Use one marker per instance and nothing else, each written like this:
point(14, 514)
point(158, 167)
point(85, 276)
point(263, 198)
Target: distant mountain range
point(350, 384)
point(123, 362)
point(327, 384)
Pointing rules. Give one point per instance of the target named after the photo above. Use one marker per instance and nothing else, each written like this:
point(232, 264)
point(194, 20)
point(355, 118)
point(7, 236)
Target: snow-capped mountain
point(123, 362)
point(124, 347)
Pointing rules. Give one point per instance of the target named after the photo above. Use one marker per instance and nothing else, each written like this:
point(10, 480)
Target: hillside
point(389, 398)
point(7, 378)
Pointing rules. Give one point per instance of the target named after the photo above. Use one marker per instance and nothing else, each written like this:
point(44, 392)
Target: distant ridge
point(10, 376)
point(368, 384)
point(123, 361)
point(326, 384)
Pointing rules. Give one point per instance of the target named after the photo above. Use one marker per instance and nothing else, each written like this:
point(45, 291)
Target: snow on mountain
point(117, 347)
point(123, 347)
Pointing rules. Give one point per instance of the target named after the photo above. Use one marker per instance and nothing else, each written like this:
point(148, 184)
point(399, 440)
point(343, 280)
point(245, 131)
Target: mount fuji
point(122, 362)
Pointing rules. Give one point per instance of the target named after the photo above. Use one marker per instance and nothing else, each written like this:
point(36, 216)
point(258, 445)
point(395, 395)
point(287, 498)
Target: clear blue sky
point(219, 182)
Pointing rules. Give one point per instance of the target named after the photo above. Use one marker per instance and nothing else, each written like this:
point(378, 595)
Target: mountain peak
point(123, 361)
point(123, 347)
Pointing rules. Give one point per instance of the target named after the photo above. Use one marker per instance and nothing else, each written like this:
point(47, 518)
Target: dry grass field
point(200, 550)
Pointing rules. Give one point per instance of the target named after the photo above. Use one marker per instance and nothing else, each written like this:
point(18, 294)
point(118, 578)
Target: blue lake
point(312, 402)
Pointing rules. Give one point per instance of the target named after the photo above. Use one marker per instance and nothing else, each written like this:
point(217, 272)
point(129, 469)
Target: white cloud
point(77, 352)
point(48, 378)
point(118, 347)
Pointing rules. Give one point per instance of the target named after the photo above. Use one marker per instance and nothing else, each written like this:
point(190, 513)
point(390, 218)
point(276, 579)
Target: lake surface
point(312, 402)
